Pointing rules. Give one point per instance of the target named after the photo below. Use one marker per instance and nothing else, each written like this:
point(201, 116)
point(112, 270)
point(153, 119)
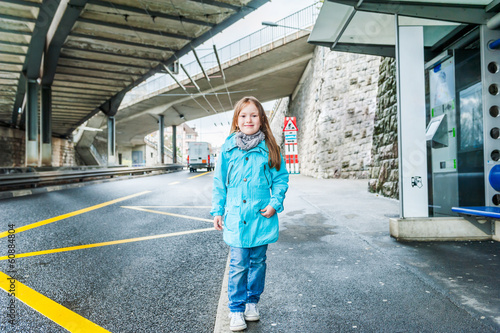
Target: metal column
point(31, 123)
point(111, 141)
point(174, 144)
point(46, 126)
point(161, 140)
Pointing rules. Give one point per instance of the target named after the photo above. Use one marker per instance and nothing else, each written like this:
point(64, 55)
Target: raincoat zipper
point(266, 176)
point(229, 174)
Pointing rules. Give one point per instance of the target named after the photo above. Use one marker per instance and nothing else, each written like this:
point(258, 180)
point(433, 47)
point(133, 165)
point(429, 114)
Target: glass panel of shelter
point(455, 145)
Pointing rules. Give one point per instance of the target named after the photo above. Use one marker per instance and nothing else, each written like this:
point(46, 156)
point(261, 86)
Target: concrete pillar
point(31, 116)
point(410, 76)
point(161, 140)
point(174, 144)
point(46, 126)
point(111, 141)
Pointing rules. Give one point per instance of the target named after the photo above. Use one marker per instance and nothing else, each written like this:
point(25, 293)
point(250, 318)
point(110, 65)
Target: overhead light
point(274, 24)
point(269, 23)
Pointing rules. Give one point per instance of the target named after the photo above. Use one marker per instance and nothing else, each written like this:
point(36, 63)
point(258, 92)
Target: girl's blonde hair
point(274, 150)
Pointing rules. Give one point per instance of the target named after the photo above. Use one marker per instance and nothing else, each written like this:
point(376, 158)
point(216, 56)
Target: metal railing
point(302, 19)
point(23, 178)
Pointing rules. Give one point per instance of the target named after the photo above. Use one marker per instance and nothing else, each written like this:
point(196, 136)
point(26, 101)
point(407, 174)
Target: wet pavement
point(336, 269)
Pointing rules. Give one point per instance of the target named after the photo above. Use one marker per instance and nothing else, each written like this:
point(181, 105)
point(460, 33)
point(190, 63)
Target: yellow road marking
point(171, 206)
point(203, 174)
point(122, 241)
point(65, 216)
point(170, 214)
point(174, 183)
point(59, 314)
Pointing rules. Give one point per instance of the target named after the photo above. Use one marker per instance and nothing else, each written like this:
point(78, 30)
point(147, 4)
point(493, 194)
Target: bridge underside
point(267, 73)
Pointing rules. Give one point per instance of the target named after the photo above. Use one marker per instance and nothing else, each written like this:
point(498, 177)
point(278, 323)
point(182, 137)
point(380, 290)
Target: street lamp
point(274, 24)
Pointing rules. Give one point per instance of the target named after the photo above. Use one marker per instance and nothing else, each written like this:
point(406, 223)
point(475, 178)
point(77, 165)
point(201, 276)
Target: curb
point(222, 319)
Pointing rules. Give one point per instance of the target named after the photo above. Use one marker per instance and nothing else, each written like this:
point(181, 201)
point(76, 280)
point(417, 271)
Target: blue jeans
point(247, 272)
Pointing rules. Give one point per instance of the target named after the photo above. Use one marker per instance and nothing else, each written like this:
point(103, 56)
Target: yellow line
point(170, 214)
point(203, 174)
point(59, 314)
point(123, 241)
point(174, 183)
point(65, 216)
point(171, 206)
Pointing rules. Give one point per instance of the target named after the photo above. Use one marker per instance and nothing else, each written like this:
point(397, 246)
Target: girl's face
point(249, 120)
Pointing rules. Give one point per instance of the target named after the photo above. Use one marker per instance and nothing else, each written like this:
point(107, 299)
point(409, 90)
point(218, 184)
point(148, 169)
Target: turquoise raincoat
point(243, 185)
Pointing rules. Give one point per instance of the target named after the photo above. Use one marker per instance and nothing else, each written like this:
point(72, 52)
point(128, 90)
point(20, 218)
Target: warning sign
point(290, 124)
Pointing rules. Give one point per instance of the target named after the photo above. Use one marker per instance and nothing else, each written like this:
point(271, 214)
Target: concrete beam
point(151, 13)
point(131, 28)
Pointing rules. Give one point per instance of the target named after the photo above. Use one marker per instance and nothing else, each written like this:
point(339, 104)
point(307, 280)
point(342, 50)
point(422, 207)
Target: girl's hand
point(268, 211)
point(218, 222)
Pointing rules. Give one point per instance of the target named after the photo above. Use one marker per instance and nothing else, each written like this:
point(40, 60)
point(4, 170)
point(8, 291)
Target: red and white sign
point(290, 124)
point(291, 152)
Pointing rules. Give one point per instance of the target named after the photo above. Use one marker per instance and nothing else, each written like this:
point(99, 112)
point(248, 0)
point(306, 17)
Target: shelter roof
point(369, 26)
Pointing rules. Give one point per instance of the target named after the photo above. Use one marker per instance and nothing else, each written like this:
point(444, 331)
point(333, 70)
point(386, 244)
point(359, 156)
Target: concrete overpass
point(82, 56)
point(270, 71)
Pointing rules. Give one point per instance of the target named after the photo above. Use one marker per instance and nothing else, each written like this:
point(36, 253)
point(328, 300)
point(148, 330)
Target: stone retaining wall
point(345, 106)
point(13, 151)
point(384, 175)
point(335, 109)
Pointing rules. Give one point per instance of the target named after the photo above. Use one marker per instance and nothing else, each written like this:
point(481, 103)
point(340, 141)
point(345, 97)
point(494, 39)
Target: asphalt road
point(166, 284)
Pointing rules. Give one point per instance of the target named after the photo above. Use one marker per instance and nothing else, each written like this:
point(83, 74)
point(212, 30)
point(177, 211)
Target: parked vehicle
point(200, 156)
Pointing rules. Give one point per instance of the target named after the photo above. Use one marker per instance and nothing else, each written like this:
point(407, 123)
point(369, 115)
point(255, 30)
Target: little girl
point(250, 183)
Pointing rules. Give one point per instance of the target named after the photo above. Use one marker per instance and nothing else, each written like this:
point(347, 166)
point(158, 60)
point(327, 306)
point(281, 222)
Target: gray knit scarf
point(247, 142)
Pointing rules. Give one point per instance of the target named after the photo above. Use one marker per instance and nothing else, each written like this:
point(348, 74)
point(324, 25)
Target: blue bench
point(482, 217)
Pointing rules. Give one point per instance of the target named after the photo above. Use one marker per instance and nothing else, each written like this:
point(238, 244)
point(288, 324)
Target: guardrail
point(23, 178)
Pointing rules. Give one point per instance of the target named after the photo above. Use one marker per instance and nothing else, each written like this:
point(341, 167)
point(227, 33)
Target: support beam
point(218, 4)
point(46, 127)
point(174, 144)
point(111, 106)
point(134, 29)
point(111, 141)
point(161, 140)
point(123, 42)
point(68, 20)
point(31, 117)
point(33, 61)
point(111, 63)
point(148, 12)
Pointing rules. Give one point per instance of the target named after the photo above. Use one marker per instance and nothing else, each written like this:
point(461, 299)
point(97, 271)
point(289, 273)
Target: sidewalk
point(336, 269)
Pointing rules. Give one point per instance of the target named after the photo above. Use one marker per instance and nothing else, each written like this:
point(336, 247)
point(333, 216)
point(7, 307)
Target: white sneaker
point(237, 321)
point(251, 312)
